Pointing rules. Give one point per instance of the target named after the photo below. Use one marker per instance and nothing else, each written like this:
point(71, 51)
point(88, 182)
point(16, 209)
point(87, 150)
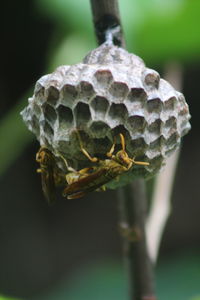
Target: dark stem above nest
point(106, 20)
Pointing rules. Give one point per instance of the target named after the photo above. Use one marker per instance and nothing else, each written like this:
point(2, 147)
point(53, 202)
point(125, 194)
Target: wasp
point(50, 174)
point(94, 178)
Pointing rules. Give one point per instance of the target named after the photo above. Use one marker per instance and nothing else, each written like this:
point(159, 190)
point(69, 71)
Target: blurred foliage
point(6, 298)
point(156, 30)
point(177, 277)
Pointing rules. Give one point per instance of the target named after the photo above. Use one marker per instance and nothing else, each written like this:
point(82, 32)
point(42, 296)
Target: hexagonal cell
point(104, 78)
point(52, 95)
point(47, 129)
point(49, 113)
point(37, 109)
point(154, 105)
point(155, 127)
point(183, 112)
point(99, 129)
point(171, 123)
point(101, 146)
point(39, 92)
point(119, 91)
point(65, 116)
point(68, 95)
point(82, 114)
point(156, 162)
point(138, 147)
point(157, 144)
point(170, 103)
point(85, 91)
point(172, 140)
point(114, 134)
point(151, 78)
point(136, 124)
point(169, 127)
point(35, 125)
point(118, 113)
point(137, 95)
point(100, 106)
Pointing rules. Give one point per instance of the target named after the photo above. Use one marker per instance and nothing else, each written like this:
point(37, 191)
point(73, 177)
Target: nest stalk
point(132, 198)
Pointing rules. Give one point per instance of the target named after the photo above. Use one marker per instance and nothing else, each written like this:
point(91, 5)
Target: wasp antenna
point(141, 163)
point(122, 139)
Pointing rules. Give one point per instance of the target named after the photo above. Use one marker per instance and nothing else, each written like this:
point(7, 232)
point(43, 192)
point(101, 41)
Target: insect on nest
point(79, 183)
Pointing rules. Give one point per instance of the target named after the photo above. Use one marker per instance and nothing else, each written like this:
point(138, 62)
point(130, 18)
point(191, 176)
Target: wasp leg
point(69, 169)
point(92, 159)
point(122, 139)
point(110, 153)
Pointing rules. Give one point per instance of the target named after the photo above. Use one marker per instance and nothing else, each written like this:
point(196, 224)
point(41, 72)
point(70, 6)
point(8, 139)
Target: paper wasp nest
point(110, 92)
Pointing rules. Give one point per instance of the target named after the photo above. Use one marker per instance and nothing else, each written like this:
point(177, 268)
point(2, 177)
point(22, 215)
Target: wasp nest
point(110, 92)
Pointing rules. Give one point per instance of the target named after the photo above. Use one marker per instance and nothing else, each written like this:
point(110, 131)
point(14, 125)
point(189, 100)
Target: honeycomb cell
point(86, 91)
point(154, 105)
point(99, 129)
point(65, 116)
point(136, 124)
point(52, 95)
point(48, 131)
point(68, 95)
point(35, 125)
point(172, 140)
point(137, 94)
point(157, 144)
point(82, 114)
point(138, 147)
point(37, 109)
point(155, 127)
point(50, 114)
point(117, 113)
point(118, 91)
point(170, 104)
point(100, 106)
point(151, 78)
point(104, 78)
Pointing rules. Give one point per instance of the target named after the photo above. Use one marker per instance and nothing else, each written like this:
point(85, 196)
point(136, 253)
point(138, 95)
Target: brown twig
point(132, 199)
point(132, 208)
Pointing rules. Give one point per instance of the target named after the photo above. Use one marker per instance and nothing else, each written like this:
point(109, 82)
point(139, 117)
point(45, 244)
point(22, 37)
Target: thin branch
point(161, 204)
point(132, 207)
point(132, 199)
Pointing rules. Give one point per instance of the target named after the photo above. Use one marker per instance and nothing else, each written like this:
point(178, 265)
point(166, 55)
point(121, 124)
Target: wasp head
point(123, 158)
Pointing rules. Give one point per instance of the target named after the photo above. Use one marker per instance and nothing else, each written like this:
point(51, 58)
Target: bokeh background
point(72, 250)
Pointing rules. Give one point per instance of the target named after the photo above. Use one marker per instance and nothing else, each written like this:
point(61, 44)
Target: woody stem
point(107, 24)
point(132, 209)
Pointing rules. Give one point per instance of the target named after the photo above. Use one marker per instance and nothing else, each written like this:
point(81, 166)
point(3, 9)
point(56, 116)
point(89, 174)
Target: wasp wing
point(88, 183)
point(48, 184)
